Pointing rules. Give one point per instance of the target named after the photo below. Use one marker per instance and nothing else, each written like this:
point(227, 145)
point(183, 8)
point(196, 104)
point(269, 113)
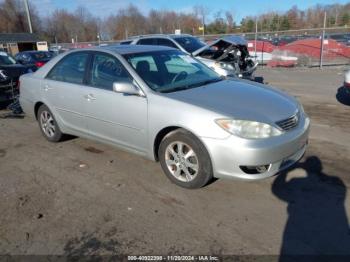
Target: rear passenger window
point(146, 41)
point(106, 70)
point(165, 42)
point(71, 69)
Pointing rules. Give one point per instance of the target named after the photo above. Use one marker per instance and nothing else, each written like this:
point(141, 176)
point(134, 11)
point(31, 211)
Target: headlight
point(3, 75)
point(248, 129)
point(225, 66)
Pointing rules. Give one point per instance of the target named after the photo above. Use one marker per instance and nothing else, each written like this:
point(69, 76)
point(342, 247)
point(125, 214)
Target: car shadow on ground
point(317, 223)
point(342, 96)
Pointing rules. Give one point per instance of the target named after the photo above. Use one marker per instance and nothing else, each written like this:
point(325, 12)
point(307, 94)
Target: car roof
point(158, 36)
point(129, 49)
point(32, 52)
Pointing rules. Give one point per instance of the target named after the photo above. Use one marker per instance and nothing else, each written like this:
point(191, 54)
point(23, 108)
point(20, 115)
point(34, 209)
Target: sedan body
point(165, 105)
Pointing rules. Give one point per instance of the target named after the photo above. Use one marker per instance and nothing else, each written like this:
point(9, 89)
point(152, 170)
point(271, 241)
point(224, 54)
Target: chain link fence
point(304, 47)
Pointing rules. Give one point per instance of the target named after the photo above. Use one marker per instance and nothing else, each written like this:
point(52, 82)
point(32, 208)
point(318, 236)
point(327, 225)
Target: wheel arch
point(36, 108)
point(167, 131)
point(160, 136)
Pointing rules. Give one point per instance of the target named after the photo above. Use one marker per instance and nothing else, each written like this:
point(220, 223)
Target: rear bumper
point(230, 155)
point(27, 106)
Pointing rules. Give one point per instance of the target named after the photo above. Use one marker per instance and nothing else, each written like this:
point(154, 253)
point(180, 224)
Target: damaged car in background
point(10, 72)
point(228, 56)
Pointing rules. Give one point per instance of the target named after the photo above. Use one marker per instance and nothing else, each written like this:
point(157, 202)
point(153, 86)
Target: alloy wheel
point(47, 123)
point(181, 161)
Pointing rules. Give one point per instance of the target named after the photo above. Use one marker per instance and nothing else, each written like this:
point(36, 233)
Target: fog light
point(255, 169)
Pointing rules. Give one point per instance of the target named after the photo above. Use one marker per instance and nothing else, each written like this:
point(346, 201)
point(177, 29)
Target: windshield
point(169, 71)
point(190, 44)
point(5, 59)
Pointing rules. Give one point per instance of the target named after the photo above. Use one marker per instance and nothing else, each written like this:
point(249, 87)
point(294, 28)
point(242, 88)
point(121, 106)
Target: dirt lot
point(81, 197)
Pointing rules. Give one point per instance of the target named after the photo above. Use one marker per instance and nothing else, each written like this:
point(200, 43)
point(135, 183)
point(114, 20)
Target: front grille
point(289, 123)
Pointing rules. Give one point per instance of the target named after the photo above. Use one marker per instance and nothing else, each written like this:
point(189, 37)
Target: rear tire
point(185, 160)
point(48, 125)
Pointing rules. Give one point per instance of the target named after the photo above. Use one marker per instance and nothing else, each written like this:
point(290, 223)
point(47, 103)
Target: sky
point(240, 9)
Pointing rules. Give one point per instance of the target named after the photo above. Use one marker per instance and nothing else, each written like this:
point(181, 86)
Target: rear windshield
point(126, 43)
point(41, 55)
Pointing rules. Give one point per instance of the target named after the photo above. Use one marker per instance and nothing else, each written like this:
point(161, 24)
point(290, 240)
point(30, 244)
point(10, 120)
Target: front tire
point(48, 125)
point(185, 160)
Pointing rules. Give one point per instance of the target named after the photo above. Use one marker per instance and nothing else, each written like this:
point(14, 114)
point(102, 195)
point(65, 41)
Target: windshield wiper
point(172, 89)
point(206, 82)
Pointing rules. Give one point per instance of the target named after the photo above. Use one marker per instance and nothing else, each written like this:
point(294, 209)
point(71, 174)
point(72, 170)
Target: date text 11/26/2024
point(173, 258)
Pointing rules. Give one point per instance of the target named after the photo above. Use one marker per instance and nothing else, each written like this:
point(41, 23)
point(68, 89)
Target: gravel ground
point(80, 197)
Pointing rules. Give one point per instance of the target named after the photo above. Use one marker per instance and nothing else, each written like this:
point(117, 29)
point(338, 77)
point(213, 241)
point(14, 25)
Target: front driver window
point(106, 70)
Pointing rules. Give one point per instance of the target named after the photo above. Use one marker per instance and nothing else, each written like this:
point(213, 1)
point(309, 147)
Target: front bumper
point(278, 153)
point(8, 91)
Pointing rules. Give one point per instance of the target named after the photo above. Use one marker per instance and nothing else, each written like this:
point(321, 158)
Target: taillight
point(19, 85)
point(39, 64)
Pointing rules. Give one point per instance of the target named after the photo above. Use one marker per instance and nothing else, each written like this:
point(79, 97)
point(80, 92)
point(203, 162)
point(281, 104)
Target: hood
point(223, 43)
point(241, 100)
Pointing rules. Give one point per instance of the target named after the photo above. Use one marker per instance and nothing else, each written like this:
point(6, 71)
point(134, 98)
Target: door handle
point(90, 97)
point(47, 87)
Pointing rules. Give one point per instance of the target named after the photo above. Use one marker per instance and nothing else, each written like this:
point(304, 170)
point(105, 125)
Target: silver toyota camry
point(167, 106)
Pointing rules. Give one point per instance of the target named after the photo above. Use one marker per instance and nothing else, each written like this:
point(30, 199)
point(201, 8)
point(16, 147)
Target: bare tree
point(13, 19)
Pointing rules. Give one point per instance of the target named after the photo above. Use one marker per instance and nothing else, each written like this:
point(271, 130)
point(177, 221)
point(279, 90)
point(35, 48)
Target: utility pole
point(322, 39)
point(28, 16)
point(126, 33)
point(203, 22)
point(256, 36)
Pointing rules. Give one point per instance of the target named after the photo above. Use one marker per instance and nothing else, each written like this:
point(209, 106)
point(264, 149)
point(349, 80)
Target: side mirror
point(126, 88)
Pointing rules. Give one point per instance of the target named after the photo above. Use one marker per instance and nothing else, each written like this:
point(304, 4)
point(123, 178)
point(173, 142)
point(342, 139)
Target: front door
point(115, 117)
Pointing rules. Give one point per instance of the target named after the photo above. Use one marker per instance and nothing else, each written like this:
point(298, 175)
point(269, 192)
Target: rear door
point(63, 90)
point(115, 117)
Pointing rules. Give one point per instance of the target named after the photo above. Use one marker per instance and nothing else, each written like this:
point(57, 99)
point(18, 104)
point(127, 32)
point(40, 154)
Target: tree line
point(81, 25)
point(294, 18)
